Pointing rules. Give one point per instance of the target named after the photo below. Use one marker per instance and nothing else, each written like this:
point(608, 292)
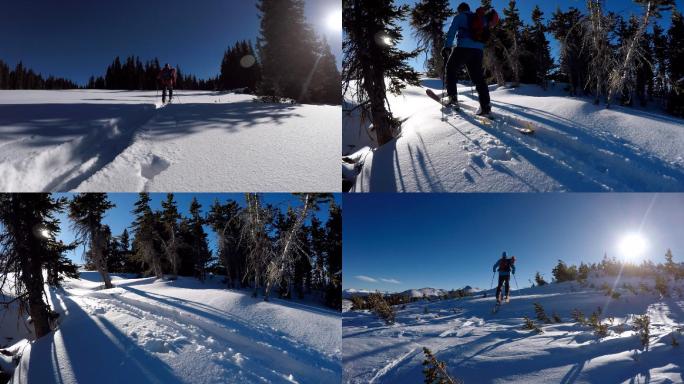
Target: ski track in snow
point(482, 347)
point(576, 146)
point(147, 336)
point(121, 142)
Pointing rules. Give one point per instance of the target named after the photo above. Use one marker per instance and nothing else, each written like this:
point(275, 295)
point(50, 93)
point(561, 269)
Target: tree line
point(602, 54)
point(25, 78)
point(271, 250)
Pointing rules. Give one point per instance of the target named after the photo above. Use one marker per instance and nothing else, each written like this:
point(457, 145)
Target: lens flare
point(334, 21)
point(632, 246)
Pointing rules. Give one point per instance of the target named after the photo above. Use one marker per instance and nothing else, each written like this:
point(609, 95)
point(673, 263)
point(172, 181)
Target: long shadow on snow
point(96, 353)
point(106, 130)
point(177, 120)
point(596, 146)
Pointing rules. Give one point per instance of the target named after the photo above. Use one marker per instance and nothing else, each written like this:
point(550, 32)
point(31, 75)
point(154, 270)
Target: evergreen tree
point(512, 28)
point(169, 236)
point(568, 30)
point(86, 211)
point(334, 257)
point(240, 68)
point(536, 61)
point(371, 58)
point(226, 222)
point(145, 235)
point(324, 83)
point(201, 255)
point(28, 224)
point(428, 18)
point(675, 103)
point(287, 47)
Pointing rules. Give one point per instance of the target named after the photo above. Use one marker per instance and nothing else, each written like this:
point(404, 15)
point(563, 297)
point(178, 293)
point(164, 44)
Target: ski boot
point(484, 112)
point(452, 102)
point(507, 300)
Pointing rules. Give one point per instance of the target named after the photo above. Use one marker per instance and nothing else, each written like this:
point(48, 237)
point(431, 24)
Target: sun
point(45, 233)
point(632, 246)
point(334, 21)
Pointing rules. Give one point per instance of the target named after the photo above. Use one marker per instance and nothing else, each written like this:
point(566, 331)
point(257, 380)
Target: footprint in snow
point(152, 166)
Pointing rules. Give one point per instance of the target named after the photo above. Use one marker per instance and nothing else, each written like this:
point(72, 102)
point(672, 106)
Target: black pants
point(472, 59)
point(503, 280)
point(170, 89)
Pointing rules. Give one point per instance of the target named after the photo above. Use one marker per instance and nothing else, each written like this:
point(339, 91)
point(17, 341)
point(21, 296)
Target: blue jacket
point(504, 273)
point(459, 33)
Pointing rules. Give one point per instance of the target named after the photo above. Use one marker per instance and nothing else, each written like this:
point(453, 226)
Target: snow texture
point(181, 331)
point(577, 146)
point(120, 141)
point(481, 347)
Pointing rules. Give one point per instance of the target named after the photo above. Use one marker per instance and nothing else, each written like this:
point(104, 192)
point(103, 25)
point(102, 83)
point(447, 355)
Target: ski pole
point(491, 285)
point(516, 282)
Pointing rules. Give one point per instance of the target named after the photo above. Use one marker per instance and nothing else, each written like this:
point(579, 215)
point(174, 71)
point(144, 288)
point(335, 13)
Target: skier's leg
point(453, 65)
point(164, 95)
point(498, 288)
point(170, 93)
point(507, 287)
point(474, 64)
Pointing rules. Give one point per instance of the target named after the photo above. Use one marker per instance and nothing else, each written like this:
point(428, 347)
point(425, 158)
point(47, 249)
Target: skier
point(167, 78)
point(464, 46)
point(505, 266)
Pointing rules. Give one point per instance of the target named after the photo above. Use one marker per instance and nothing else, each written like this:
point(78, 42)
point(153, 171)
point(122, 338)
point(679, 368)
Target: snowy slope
point(123, 141)
point(147, 331)
point(577, 146)
point(480, 347)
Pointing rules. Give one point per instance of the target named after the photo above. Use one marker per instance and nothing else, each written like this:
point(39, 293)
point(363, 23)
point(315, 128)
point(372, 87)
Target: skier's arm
point(495, 265)
point(513, 269)
point(451, 35)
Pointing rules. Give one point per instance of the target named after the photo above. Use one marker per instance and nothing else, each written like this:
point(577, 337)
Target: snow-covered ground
point(153, 331)
point(113, 141)
point(481, 347)
point(577, 146)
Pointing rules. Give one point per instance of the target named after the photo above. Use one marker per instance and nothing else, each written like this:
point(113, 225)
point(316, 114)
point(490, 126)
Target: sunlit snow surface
point(577, 147)
point(182, 331)
point(204, 141)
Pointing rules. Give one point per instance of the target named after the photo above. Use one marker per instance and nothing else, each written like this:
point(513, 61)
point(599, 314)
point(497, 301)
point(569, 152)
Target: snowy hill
point(113, 141)
point(424, 292)
point(182, 331)
point(577, 146)
point(481, 347)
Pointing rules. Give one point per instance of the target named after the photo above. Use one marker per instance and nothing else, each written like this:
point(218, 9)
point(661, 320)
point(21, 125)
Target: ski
point(526, 129)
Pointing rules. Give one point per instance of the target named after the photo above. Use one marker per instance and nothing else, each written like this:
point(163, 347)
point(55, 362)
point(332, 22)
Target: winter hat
point(503, 255)
point(463, 7)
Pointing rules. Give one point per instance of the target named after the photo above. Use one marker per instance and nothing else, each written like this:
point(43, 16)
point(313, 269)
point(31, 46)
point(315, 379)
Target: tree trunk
point(33, 276)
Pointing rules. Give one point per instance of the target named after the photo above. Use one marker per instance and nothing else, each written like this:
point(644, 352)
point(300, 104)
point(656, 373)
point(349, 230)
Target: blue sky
point(120, 217)
point(622, 7)
point(452, 240)
point(79, 38)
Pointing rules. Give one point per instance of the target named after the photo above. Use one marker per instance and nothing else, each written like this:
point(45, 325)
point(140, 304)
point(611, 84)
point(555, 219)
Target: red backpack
point(505, 265)
point(481, 23)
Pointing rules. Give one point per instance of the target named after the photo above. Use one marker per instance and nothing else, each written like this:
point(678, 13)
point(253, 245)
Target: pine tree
point(428, 18)
point(287, 48)
point(200, 248)
point(145, 235)
point(334, 257)
point(536, 61)
point(596, 27)
point(512, 28)
point(28, 223)
point(631, 49)
point(226, 222)
point(86, 211)
point(371, 58)
point(324, 83)
point(169, 237)
point(574, 61)
point(675, 102)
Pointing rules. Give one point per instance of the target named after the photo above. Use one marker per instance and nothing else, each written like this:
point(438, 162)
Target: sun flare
point(334, 21)
point(632, 246)
point(45, 233)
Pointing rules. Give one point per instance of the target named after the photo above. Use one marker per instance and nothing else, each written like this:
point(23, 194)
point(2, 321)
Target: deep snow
point(480, 347)
point(182, 331)
point(121, 141)
point(577, 147)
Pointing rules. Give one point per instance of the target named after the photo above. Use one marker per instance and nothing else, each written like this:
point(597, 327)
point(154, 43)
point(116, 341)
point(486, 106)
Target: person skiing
point(167, 79)
point(465, 46)
point(506, 267)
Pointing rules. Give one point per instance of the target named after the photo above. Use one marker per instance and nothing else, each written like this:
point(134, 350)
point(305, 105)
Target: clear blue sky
point(622, 7)
point(120, 217)
point(79, 38)
point(452, 240)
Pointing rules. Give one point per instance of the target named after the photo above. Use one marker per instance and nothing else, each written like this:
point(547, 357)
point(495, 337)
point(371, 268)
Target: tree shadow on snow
point(85, 350)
